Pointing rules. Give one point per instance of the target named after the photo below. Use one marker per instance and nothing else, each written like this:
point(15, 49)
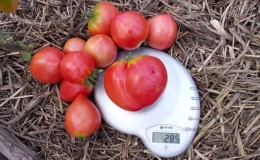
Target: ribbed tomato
point(76, 67)
point(136, 83)
point(82, 117)
point(74, 44)
point(69, 91)
point(45, 65)
point(162, 31)
point(100, 21)
point(129, 29)
point(102, 49)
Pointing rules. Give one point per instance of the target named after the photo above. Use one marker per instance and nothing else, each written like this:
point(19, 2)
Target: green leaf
point(144, 44)
point(89, 84)
point(129, 57)
point(88, 15)
point(26, 56)
point(95, 74)
point(29, 46)
point(24, 46)
point(2, 34)
point(11, 46)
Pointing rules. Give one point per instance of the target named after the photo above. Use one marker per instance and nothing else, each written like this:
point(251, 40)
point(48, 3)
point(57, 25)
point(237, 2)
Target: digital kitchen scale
point(168, 126)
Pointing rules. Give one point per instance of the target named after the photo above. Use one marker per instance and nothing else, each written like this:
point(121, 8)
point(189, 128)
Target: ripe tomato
point(82, 117)
point(69, 91)
point(100, 22)
point(9, 6)
point(74, 44)
point(129, 29)
point(137, 83)
point(76, 67)
point(102, 49)
point(45, 65)
point(162, 31)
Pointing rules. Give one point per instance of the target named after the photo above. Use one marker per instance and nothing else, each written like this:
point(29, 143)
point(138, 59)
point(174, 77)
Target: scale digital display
point(163, 137)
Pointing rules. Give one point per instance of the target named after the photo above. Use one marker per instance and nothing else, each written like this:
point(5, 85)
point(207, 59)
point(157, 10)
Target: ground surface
point(218, 42)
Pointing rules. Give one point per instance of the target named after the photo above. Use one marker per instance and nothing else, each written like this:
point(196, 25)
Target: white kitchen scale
point(168, 126)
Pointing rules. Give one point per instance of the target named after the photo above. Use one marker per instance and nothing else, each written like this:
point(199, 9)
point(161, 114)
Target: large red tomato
point(45, 65)
point(9, 6)
point(162, 31)
point(136, 83)
point(82, 117)
point(69, 91)
point(129, 29)
point(100, 22)
point(102, 49)
point(76, 67)
point(74, 44)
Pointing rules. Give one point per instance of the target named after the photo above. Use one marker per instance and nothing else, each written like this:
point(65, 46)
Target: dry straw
point(218, 42)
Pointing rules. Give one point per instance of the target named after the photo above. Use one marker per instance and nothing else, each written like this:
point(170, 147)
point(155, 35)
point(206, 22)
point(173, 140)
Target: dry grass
point(218, 42)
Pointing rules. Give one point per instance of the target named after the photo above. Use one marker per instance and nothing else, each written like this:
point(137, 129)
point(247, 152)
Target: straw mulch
point(218, 42)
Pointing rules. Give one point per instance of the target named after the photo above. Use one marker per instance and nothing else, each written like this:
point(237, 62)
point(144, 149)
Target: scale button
point(190, 129)
point(195, 98)
point(193, 88)
point(193, 118)
point(194, 108)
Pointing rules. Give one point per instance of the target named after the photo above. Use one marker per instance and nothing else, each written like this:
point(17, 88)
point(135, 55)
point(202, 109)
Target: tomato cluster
point(73, 69)
point(132, 84)
point(129, 29)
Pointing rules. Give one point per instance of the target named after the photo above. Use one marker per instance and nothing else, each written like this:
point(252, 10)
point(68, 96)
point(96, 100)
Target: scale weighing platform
point(168, 126)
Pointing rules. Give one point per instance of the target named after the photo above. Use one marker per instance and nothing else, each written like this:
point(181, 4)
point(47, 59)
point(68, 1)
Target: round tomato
point(82, 117)
point(100, 22)
point(129, 29)
point(74, 44)
point(136, 83)
point(162, 31)
point(45, 65)
point(9, 6)
point(76, 67)
point(102, 49)
point(69, 91)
